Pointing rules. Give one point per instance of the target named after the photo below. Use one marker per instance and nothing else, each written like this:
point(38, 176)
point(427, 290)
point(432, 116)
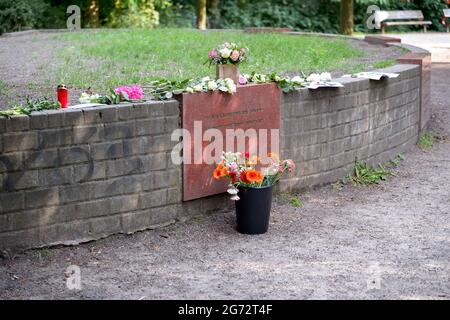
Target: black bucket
point(253, 210)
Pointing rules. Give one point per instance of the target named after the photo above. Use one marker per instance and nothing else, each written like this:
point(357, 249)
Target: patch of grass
point(364, 174)
point(296, 202)
point(107, 58)
point(44, 253)
point(398, 160)
point(427, 140)
point(384, 63)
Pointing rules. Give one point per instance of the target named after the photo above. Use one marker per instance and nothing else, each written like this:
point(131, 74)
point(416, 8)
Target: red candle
point(63, 95)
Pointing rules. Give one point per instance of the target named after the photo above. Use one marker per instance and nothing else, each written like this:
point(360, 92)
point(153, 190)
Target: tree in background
point(201, 19)
point(94, 14)
point(134, 13)
point(346, 21)
point(214, 13)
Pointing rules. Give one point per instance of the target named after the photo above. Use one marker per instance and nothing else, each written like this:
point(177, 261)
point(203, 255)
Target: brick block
point(21, 180)
point(174, 195)
point(10, 162)
point(55, 137)
point(11, 201)
point(96, 208)
point(55, 118)
point(150, 126)
point(136, 146)
point(20, 141)
point(74, 155)
point(55, 176)
point(125, 166)
point(171, 108)
point(105, 225)
point(73, 117)
point(75, 192)
point(148, 219)
point(90, 171)
point(133, 183)
point(155, 161)
point(45, 158)
point(106, 188)
point(100, 114)
point(125, 112)
point(108, 150)
point(153, 199)
point(38, 120)
point(120, 130)
point(3, 121)
point(88, 134)
point(156, 109)
point(125, 203)
point(41, 198)
point(18, 123)
point(40, 218)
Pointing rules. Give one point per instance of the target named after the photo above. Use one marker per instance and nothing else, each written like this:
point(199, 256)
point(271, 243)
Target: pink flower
point(242, 80)
point(134, 92)
point(235, 55)
point(290, 165)
point(212, 54)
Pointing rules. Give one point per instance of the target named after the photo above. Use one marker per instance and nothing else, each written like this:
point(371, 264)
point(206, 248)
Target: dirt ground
point(386, 242)
point(29, 65)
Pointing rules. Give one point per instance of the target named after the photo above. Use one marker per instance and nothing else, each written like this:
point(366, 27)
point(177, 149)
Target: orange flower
point(224, 171)
point(220, 171)
point(254, 176)
point(217, 173)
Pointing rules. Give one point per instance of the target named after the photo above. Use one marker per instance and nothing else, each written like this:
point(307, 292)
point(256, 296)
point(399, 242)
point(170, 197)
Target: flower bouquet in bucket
point(251, 187)
point(227, 58)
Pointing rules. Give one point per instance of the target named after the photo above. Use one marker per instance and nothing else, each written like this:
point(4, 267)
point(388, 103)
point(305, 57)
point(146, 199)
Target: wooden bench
point(444, 19)
point(401, 18)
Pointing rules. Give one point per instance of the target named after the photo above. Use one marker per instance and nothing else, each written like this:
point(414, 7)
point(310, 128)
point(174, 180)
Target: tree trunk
point(346, 26)
point(201, 18)
point(214, 14)
point(94, 17)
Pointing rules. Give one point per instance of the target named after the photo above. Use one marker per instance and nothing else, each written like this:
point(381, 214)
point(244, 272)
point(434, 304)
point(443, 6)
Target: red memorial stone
point(254, 106)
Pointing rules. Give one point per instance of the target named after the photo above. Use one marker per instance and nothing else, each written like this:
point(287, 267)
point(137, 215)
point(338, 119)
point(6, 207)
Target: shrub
point(15, 15)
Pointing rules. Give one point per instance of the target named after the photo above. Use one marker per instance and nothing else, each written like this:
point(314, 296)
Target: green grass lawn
point(107, 58)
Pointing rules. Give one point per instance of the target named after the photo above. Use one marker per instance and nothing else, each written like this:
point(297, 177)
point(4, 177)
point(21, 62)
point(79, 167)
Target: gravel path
point(386, 242)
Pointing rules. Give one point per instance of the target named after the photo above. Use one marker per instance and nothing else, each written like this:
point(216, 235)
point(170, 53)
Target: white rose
point(189, 90)
point(225, 53)
point(85, 98)
point(325, 76)
point(231, 86)
point(297, 79)
point(212, 85)
point(198, 88)
point(313, 77)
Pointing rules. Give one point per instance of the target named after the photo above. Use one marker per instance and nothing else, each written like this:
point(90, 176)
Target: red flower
point(244, 177)
point(247, 155)
point(233, 176)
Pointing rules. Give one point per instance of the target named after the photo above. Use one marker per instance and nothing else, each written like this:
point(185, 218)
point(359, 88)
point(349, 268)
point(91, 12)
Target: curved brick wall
point(324, 131)
point(70, 176)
